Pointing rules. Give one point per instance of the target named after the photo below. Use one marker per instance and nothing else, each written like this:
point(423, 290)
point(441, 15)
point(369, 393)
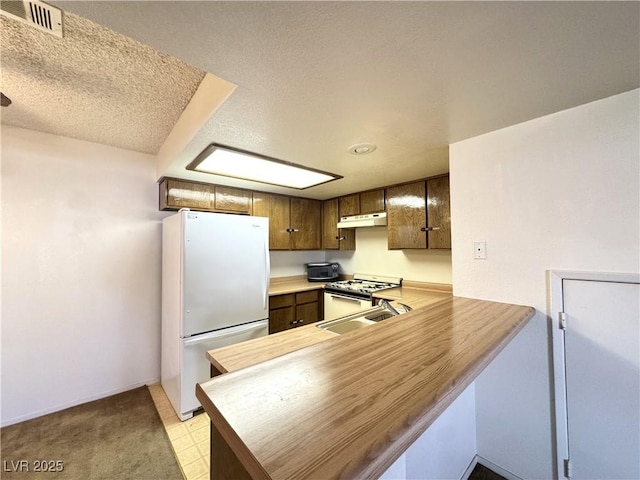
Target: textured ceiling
point(314, 78)
point(94, 84)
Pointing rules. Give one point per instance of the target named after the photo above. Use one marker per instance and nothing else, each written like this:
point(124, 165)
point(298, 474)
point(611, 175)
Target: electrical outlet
point(480, 250)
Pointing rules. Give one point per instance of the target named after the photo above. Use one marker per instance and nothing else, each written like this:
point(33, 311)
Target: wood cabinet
point(438, 213)
point(293, 310)
point(349, 205)
point(418, 215)
point(407, 216)
point(371, 201)
point(294, 223)
point(176, 194)
point(334, 238)
point(306, 224)
point(277, 208)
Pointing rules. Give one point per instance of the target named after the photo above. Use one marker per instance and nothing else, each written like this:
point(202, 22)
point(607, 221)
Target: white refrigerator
point(215, 292)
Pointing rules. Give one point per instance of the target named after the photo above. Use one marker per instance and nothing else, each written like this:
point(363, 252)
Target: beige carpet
point(116, 438)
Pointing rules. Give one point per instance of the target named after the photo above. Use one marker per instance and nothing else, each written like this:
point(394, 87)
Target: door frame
point(556, 305)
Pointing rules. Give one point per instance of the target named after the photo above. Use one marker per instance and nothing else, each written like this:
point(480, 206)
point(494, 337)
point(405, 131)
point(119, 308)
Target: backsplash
point(371, 256)
point(289, 264)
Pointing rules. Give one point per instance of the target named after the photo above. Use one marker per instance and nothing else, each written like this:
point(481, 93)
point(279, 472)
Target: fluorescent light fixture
point(235, 163)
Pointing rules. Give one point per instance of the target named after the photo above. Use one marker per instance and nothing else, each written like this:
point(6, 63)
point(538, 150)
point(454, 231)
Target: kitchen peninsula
point(348, 406)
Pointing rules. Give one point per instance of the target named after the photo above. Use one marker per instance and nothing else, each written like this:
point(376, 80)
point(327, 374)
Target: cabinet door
point(176, 194)
point(407, 216)
point(229, 199)
point(372, 202)
point(334, 238)
point(438, 213)
point(306, 224)
point(276, 207)
point(281, 319)
point(306, 314)
point(350, 205)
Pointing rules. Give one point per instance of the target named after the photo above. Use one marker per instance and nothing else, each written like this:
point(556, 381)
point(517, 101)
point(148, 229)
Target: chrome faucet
point(388, 306)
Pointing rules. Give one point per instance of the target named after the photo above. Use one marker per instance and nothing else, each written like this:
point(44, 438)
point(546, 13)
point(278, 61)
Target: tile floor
point(189, 439)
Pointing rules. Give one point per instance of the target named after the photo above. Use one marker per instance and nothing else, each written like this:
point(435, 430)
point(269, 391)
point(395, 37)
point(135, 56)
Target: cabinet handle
point(292, 230)
point(341, 238)
point(429, 229)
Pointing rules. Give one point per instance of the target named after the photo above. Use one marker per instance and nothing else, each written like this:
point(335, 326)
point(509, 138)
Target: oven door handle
point(349, 299)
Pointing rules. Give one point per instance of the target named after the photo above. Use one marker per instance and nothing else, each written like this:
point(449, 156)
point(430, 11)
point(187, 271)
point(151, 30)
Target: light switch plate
point(480, 250)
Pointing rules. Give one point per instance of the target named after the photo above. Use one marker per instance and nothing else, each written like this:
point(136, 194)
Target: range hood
point(369, 220)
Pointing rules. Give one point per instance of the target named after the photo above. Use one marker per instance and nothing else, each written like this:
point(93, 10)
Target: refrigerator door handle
point(267, 263)
point(227, 332)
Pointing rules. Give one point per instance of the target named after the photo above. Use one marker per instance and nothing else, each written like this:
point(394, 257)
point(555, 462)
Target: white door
point(195, 366)
point(602, 364)
point(226, 271)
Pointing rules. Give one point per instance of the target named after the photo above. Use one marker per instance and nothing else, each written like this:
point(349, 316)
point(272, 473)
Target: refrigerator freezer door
point(225, 271)
point(196, 367)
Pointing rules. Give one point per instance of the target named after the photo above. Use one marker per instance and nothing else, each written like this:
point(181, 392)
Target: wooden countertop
point(232, 357)
point(282, 285)
point(349, 406)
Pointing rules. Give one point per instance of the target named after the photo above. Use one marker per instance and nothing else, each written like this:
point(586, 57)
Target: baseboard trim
point(467, 473)
point(499, 470)
point(63, 406)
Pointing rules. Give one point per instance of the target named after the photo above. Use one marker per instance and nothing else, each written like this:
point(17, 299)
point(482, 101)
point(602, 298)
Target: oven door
point(338, 305)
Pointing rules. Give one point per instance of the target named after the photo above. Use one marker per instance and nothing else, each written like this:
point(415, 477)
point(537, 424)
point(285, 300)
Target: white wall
point(372, 256)
point(445, 450)
point(558, 192)
point(81, 243)
point(289, 264)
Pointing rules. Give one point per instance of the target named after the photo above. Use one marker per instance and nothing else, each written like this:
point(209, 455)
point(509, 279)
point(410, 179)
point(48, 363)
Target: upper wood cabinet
point(418, 215)
point(306, 224)
point(407, 216)
point(277, 208)
point(334, 238)
point(438, 213)
point(177, 194)
point(229, 199)
point(371, 201)
point(349, 205)
point(294, 223)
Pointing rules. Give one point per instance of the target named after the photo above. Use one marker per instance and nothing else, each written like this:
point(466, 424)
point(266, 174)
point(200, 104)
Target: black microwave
point(322, 272)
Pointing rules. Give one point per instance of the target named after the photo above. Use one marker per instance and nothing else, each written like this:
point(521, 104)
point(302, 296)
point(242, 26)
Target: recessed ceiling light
point(235, 163)
point(361, 148)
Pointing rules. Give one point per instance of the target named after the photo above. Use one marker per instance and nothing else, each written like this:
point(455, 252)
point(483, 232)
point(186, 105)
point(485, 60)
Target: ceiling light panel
point(235, 163)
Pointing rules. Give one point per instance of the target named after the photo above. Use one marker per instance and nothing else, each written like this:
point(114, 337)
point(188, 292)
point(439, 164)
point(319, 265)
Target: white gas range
point(349, 296)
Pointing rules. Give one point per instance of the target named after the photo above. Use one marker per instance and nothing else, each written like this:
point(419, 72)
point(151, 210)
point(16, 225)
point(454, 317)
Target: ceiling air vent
point(37, 14)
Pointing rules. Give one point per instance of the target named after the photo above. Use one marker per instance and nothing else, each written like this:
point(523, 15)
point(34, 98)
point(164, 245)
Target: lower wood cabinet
point(294, 310)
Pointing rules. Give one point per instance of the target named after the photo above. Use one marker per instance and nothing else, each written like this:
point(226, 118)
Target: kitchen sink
point(341, 326)
point(356, 321)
